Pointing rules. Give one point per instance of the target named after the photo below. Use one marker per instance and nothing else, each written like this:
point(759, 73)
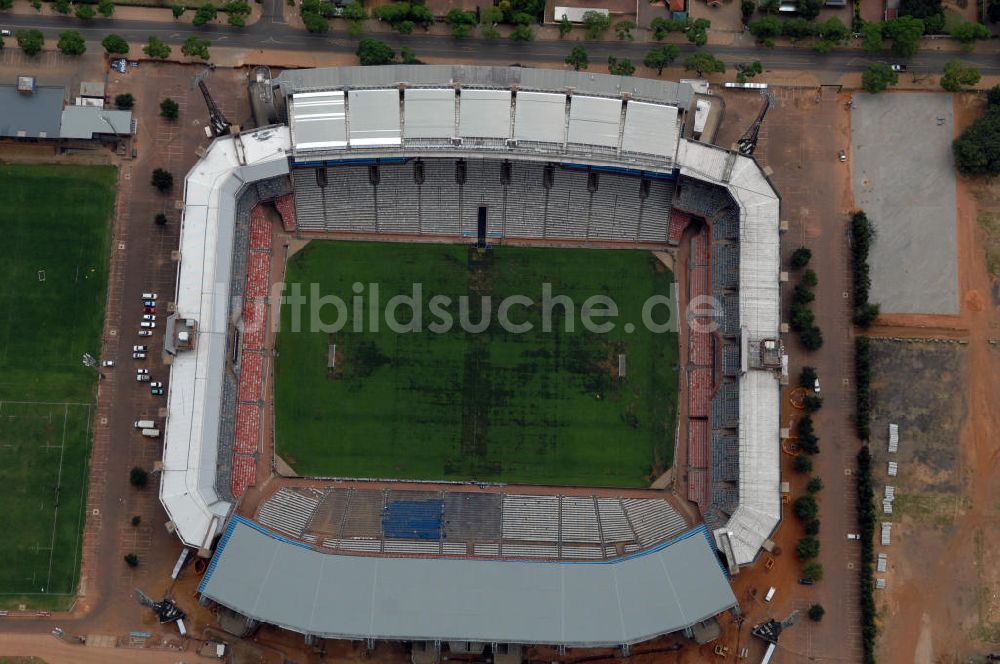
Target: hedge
point(862, 234)
point(862, 392)
point(866, 527)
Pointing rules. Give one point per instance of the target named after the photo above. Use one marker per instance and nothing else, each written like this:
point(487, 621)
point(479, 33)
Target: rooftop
point(36, 115)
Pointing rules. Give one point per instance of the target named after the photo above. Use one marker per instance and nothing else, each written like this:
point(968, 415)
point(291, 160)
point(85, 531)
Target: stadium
point(497, 554)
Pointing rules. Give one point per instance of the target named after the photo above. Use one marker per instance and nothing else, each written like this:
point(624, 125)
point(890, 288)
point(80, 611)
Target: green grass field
point(537, 408)
point(53, 279)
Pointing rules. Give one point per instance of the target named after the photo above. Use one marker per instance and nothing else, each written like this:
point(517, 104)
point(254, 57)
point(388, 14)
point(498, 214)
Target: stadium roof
point(289, 584)
point(478, 111)
point(191, 436)
point(37, 115)
point(759, 508)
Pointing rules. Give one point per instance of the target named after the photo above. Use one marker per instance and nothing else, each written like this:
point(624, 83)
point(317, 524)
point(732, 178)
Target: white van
point(151, 433)
point(144, 424)
point(770, 594)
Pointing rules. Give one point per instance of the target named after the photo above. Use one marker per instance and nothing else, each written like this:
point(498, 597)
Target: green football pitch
point(53, 279)
point(540, 407)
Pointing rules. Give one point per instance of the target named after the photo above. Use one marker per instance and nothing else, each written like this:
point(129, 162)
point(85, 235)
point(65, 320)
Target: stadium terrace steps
point(461, 523)
point(344, 199)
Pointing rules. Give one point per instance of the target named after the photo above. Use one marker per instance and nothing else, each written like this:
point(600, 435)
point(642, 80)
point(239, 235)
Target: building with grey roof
point(35, 113)
point(87, 122)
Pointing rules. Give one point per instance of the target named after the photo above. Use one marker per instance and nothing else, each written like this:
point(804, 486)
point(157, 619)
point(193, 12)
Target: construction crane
point(748, 142)
point(216, 120)
point(165, 609)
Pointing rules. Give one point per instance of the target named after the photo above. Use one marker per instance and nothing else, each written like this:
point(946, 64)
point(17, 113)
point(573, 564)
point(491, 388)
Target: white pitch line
point(55, 514)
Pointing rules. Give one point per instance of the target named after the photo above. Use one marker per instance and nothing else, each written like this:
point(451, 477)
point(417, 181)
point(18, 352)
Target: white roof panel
point(540, 117)
point(650, 129)
point(318, 120)
point(484, 114)
point(429, 113)
point(374, 118)
point(594, 121)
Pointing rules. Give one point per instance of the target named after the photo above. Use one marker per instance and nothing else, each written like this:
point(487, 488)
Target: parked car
point(139, 349)
point(149, 310)
point(147, 324)
point(138, 356)
point(853, 536)
point(142, 378)
point(149, 303)
point(149, 316)
point(107, 363)
point(142, 371)
point(898, 68)
point(5, 32)
point(149, 296)
point(156, 383)
point(156, 391)
point(816, 386)
point(145, 333)
point(806, 582)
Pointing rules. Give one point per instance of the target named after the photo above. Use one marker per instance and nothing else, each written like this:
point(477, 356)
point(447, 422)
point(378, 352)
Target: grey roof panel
point(31, 116)
point(374, 118)
point(650, 129)
point(484, 114)
point(609, 603)
point(429, 113)
point(85, 121)
point(318, 120)
point(540, 116)
point(594, 121)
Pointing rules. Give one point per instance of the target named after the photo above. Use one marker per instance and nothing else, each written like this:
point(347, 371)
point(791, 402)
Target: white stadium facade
point(410, 133)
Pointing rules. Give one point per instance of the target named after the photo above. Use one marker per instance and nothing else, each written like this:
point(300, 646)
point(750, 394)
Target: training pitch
point(534, 408)
point(53, 279)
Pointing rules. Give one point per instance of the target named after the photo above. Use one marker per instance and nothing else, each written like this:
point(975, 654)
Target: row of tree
point(862, 235)
point(71, 42)
point(977, 150)
point(866, 528)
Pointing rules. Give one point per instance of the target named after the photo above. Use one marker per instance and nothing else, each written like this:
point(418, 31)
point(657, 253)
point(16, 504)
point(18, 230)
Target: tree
point(993, 96)
point(61, 6)
point(106, 8)
point(138, 477)
point(833, 29)
point(205, 14)
point(156, 48)
point(922, 9)
point(872, 34)
point(565, 26)
point(662, 26)
point(596, 23)
point(697, 31)
point(6, 5)
point(809, 279)
point(490, 15)
point(812, 403)
point(802, 464)
point(131, 560)
point(816, 612)
point(800, 258)
point(813, 571)
point(768, 7)
point(766, 29)
point(807, 548)
point(136, 520)
point(622, 67)
point(461, 22)
point(747, 8)
point(798, 28)
point(115, 45)
point(958, 74)
point(196, 48)
point(815, 485)
point(315, 22)
point(624, 30)
point(578, 58)
point(905, 32)
point(805, 508)
point(236, 20)
point(522, 33)
point(703, 63)
point(84, 12)
point(374, 52)
point(407, 57)
point(30, 41)
point(807, 377)
point(125, 101)
point(811, 338)
point(169, 109)
point(809, 9)
point(71, 43)
point(660, 57)
point(812, 527)
point(355, 11)
point(162, 180)
point(178, 10)
point(878, 77)
point(747, 70)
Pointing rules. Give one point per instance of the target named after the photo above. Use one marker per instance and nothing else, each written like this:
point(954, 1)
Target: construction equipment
point(216, 120)
point(165, 609)
point(748, 142)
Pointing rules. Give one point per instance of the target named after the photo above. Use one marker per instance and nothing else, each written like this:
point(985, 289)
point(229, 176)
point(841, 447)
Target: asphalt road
point(270, 33)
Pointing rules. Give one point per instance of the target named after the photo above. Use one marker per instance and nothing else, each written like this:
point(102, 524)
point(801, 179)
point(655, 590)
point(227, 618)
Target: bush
point(800, 258)
point(816, 612)
point(169, 109)
point(815, 485)
point(136, 520)
point(813, 571)
point(160, 219)
point(802, 464)
point(805, 508)
point(138, 478)
point(862, 234)
point(125, 101)
point(807, 377)
point(807, 548)
point(162, 180)
point(131, 560)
